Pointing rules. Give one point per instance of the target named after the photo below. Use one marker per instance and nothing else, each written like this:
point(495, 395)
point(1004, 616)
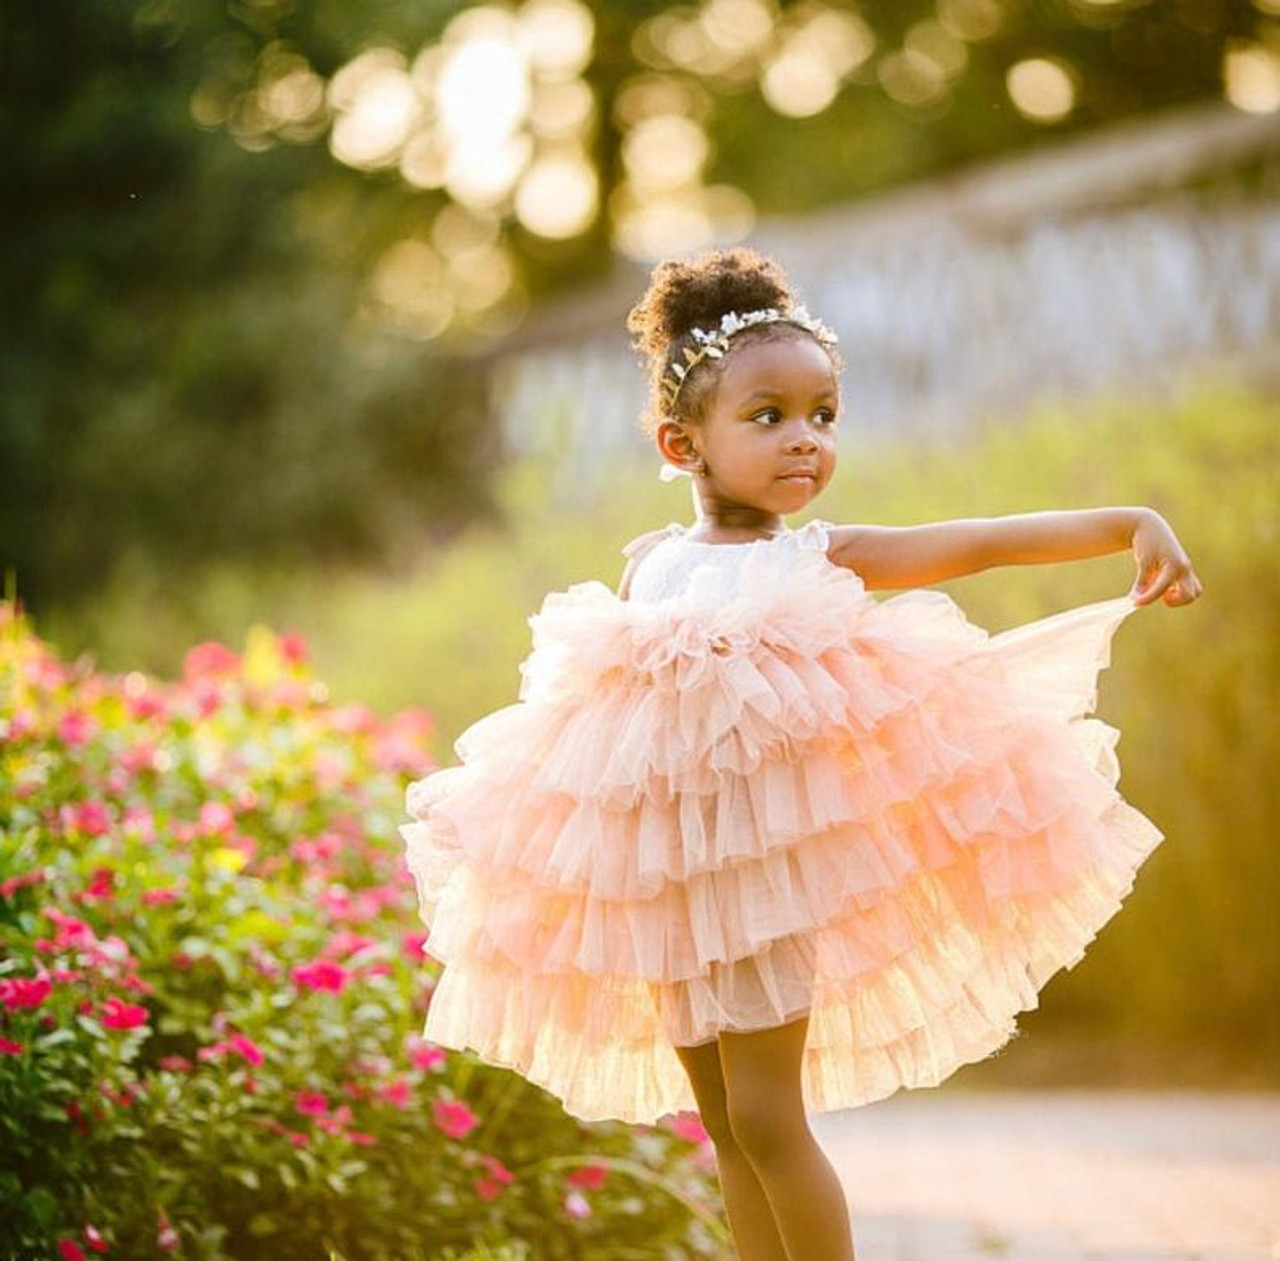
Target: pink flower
point(167, 1239)
point(293, 647)
point(76, 728)
point(139, 757)
point(71, 931)
point(412, 943)
point(24, 992)
point(101, 886)
point(353, 719)
point(69, 1250)
point(216, 818)
point(176, 1064)
point(576, 1205)
point(91, 817)
point(688, 1125)
point(95, 1239)
point(11, 1048)
point(426, 1055)
point(365, 1140)
point(247, 1048)
point(311, 1102)
point(398, 1093)
point(499, 1176)
point(22, 723)
point(323, 974)
point(140, 821)
point(346, 942)
point(209, 658)
point(592, 1177)
point(156, 897)
point(207, 696)
point(455, 1120)
point(10, 886)
point(144, 706)
point(121, 1015)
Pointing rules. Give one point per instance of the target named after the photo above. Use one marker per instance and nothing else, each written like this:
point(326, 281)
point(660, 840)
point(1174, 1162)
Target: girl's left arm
point(887, 556)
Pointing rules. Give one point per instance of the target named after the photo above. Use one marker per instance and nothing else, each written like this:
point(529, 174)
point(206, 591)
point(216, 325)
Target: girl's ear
point(674, 443)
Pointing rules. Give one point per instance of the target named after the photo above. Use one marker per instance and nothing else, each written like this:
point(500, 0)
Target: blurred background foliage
point(260, 253)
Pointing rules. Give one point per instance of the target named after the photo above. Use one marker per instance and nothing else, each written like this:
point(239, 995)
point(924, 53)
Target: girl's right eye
point(768, 411)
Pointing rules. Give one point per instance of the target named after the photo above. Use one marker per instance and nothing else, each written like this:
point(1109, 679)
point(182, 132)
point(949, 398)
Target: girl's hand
point(1163, 567)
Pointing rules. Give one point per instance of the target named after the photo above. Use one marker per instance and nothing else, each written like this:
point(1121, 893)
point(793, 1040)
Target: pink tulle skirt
point(723, 815)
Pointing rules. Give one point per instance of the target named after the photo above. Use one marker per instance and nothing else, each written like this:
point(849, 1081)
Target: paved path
point(1062, 1175)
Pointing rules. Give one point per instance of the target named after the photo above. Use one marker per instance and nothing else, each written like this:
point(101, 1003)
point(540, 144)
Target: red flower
point(10, 1048)
point(247, 1048)
point(95, 1240)
point(592, 1177)
point(426, 1055)
point(293, 647)
point(323, 974)
point(455, 1120)
point(92, 818)
point(69, 1250)
point(311, 1102)
point(118, 1014)
point(24, 991)
point(101, 884)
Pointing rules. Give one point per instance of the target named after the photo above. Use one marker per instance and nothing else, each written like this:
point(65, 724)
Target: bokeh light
point(971, 20)
point(663, 152)
point(1251, 77)
point(557, 198)
point(376, 105)
point(1042, 88)
point(911, 77)
point(556, 36)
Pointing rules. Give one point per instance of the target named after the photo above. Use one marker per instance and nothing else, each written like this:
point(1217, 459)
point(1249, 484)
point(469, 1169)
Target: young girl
point(752, 841)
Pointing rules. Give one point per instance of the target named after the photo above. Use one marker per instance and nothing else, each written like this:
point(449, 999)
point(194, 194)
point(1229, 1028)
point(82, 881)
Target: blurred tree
point(258, 252)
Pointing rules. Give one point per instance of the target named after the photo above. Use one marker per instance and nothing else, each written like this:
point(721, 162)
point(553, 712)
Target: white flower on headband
point(712, 343)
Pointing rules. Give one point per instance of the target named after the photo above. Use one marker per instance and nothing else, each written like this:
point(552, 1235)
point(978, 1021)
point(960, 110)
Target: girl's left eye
point(828, 415)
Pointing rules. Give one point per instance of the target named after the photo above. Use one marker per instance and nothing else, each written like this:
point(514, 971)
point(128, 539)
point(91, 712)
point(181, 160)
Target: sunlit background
point(314, 319)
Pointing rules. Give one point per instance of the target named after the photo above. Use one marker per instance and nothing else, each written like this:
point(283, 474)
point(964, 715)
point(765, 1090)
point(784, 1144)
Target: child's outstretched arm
point(913, 556)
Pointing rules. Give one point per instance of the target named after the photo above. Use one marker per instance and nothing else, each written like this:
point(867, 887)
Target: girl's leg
point(755, 1233)
point(768, 1123)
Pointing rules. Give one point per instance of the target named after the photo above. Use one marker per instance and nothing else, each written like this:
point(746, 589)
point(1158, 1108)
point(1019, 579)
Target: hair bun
point(697, 292)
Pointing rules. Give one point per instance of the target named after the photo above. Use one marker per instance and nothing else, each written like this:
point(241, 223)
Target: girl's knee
point(765, 1127)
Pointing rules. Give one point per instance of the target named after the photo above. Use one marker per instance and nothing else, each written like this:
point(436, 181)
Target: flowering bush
point(212, 983)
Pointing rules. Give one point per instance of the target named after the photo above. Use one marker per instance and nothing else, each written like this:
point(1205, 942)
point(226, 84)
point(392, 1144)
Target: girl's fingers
point(1150, 584)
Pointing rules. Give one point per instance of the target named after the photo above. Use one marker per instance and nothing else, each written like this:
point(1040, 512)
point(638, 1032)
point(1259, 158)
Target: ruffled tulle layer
point(708, 816)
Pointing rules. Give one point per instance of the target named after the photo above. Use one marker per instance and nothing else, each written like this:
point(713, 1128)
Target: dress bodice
point(676, 564)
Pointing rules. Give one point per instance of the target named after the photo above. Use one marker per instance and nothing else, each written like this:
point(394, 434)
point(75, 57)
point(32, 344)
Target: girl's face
point(769, 433)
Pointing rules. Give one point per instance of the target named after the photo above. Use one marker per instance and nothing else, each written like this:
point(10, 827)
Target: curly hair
point(684, 294)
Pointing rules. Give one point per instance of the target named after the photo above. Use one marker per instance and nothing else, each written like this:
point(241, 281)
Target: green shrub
point(212, 986)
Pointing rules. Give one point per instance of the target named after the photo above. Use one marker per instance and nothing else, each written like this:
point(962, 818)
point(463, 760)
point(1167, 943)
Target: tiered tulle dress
point(754, 790)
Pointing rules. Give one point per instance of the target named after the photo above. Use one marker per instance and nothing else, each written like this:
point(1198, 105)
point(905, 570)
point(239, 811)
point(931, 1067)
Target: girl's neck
point(721, 519)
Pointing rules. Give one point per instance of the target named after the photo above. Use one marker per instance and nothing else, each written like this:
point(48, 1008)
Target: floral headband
point(713, 344)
